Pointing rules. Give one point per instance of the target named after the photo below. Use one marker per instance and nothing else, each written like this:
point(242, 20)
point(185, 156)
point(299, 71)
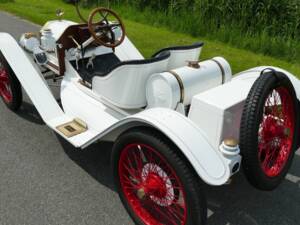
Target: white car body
point(214, 114)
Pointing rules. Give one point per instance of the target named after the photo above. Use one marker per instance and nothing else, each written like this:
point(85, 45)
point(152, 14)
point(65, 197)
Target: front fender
point(30, 78)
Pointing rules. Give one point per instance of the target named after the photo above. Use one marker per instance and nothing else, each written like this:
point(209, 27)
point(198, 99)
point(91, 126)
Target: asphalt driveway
point(45, 181)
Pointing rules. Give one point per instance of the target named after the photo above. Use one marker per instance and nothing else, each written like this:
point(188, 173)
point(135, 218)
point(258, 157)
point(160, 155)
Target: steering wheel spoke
point(104, 17)
point(108, 37)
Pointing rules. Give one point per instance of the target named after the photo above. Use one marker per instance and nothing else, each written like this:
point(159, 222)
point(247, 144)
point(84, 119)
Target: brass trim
point(221, 68)
point(231, 142)
point(194, 64)
point(53, 65)
point(180, 82)
point(85, 83)
point(141, 193)
point(30, 35)
point(73, 128)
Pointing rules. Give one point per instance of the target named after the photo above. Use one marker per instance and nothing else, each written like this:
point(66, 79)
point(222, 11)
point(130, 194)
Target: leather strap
point(221, 68)
point(180, 83)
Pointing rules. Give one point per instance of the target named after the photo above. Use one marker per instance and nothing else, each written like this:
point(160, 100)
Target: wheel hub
point(154, 185)
point(274, 129)
point(157, 185)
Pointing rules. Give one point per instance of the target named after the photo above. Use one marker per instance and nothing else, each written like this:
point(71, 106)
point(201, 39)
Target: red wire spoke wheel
point(269, 130)
point(276, 132)
point(10, 88)
point(155, 184)
point(5, 89)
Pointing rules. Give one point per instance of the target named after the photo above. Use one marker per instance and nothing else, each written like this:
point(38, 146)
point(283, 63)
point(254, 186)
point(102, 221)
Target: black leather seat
point(125, 83)
point(181, 54)
point(105, 64)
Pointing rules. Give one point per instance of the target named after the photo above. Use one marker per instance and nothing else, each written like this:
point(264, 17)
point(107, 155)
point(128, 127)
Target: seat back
point(181, 54)
point(125, 85)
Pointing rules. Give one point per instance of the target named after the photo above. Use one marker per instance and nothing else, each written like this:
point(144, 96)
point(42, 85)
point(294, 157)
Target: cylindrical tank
point(170, 88)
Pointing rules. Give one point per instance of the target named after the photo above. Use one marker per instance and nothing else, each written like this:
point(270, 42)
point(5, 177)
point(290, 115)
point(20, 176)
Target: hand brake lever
point(73, 39)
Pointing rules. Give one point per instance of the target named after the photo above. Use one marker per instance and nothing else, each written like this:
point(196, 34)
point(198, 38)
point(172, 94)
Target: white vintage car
point(176, 123)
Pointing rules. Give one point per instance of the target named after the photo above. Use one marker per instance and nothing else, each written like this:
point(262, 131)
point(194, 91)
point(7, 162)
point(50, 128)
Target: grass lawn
point(149, 39)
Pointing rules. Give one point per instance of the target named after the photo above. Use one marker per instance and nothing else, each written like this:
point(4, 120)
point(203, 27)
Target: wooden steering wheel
point(103, 30)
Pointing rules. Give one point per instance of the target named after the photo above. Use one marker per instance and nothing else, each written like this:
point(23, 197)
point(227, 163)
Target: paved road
point(45, 181)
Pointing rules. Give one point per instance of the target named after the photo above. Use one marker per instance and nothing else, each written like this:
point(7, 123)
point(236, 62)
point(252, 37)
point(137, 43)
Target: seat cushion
point(125, 85)
point(102, 65)
point(179, 48)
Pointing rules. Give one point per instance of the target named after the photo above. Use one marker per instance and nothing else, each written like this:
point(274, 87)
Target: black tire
point(195, 201)
point(16, 91)
point(252, 118)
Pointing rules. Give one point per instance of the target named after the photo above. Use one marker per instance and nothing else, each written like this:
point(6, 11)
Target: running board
point(73, 130)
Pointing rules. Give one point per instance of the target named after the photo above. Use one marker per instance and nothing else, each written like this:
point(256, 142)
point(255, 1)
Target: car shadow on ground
point(95, 160)
point(234, 204)
point(29, 113)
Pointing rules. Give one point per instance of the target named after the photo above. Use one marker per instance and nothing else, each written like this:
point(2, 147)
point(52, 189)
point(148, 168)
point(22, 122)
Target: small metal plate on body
point(72, 128)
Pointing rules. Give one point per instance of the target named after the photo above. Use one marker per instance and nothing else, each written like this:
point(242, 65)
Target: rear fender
point(209, 163)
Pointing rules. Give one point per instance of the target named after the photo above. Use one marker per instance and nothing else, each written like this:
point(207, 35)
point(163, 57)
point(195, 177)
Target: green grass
point(258, 25)
point(149, 39)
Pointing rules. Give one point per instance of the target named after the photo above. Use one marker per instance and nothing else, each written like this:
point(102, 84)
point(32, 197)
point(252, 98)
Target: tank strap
point(221, 68)
point(180, 83)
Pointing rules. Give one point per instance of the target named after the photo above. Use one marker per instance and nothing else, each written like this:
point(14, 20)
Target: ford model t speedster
point(175, 122)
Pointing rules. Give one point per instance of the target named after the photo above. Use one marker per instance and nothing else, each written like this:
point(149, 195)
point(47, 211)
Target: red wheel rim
point(5, 88)
point(276, 132)
point(151, 187)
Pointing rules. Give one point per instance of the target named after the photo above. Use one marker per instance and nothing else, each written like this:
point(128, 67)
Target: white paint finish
point(127, 51)
point(209, 163)
point(58, 27)
point(218, 111)
point(163, 90)
point(37, 89)
point(255, 72)
point(30, 44)
point(180, 58)
point(213, 114)
point(125, 86)
point(31, 80)
point(78, 104)
point(78, 140)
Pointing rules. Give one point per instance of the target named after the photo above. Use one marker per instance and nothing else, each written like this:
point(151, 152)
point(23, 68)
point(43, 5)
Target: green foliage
point(6, 1)
point(149, 39)
point(271, 27)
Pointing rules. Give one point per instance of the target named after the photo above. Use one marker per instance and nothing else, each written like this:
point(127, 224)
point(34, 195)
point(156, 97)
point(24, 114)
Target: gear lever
point(77, 56)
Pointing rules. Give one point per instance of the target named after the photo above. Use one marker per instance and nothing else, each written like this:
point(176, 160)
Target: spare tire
point(269, 130)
